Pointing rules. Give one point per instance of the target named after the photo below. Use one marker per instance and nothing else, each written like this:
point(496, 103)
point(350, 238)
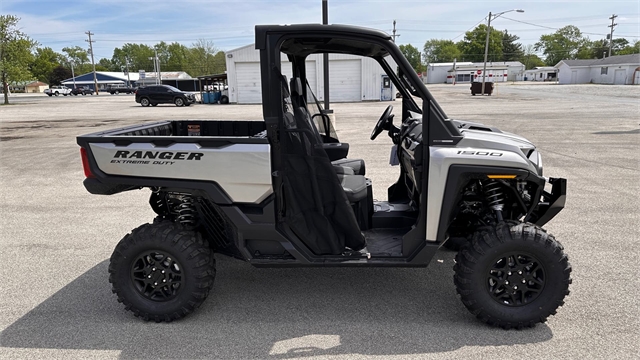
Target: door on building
point(345, 80)
point(385, 94)
point(619, 77)
point(574, 76)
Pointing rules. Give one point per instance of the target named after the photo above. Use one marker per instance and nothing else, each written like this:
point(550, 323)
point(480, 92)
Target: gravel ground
point(56, 240)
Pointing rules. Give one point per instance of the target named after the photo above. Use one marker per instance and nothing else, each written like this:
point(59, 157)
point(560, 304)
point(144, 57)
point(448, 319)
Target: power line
point(478, 23)
point(554, 28)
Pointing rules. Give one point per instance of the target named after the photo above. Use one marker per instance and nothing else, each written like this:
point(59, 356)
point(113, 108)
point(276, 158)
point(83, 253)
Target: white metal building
point(541, 73)
point(615, 70)
point(351, 78)
point(497, 71)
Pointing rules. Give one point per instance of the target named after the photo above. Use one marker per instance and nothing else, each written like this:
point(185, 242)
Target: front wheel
point(161, 271)
point(513, 275)
point(179, 102)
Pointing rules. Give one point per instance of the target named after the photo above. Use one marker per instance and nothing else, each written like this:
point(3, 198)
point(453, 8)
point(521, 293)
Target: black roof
point(318, 38)
point(213, 77)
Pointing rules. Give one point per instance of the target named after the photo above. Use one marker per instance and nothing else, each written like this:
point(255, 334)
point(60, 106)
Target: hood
point(492, 137)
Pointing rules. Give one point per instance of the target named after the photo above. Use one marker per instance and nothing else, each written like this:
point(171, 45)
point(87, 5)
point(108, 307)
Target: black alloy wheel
point(515, 279)
point(156, 275)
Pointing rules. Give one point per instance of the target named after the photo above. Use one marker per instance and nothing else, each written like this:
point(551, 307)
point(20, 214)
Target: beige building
point(35, 87)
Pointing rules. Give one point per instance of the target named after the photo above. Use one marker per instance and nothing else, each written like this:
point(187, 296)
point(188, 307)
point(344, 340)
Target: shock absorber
point(495, 197)
point(186, 211)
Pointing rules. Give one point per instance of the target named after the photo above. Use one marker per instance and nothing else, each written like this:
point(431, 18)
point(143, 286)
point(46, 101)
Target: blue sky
point(229, 24)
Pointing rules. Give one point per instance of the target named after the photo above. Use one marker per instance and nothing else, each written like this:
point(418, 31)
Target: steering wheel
point(383, 123)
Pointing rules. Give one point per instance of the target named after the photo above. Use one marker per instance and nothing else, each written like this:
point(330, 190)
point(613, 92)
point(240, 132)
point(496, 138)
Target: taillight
point(85, 163)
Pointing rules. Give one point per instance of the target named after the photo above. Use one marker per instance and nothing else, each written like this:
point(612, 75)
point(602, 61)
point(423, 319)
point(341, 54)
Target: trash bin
point(476, 88)
point(215, 97)
point(205, 98)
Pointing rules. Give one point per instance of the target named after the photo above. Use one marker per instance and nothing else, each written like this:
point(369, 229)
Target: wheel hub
point(156, 275)
point(515, 279)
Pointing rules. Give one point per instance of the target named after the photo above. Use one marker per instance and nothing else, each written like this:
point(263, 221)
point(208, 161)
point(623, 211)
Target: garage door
point(345, 80)
point(250, 85)
point(619, 77)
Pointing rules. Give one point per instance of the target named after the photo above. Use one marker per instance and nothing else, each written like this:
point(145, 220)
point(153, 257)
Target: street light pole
point(73, 75)
point(486, 45)
point(486, 52)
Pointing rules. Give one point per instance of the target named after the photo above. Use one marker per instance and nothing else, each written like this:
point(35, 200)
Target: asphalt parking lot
point(57, 238)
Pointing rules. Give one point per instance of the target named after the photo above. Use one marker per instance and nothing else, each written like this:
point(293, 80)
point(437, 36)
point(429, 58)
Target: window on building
point(463, 77)
point(604, 70)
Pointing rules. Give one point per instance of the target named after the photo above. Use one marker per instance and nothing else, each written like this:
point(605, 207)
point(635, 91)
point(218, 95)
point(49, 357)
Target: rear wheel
point(224, 99)
point(117, 92)
point(56, 93)
point(179, 102)
point(513, 275)
point(161, 271)
point(144, 102)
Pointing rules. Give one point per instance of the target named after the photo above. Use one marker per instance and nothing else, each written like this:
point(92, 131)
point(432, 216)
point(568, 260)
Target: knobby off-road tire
point(161, 271)
point(513, 275)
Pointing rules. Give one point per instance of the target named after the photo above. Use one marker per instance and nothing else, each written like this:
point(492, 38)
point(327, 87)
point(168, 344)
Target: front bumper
point(551, 203)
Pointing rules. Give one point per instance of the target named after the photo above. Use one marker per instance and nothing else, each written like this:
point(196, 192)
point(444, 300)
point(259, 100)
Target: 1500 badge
point(124, 157)
point(479, 153)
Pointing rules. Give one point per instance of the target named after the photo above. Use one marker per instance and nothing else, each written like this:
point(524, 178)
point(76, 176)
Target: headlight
point(536, 160)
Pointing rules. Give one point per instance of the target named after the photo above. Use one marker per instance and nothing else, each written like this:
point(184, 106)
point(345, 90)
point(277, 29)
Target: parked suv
point(116, 89)
point(83, 90)
point(163, 94)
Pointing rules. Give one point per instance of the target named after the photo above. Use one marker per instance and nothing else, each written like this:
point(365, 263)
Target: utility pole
point(159, 75)
point(126, 64)
point(613, 25)
point(325, 59)
point(95, 79)
point(73, 75)
point(394, 31)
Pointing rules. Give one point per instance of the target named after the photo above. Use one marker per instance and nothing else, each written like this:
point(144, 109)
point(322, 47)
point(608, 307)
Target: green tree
point(59, 74)
point(79, 57)
point(631, 49)
point(204, 59)
point(566, 43)
point(177, 58)
point(413, 56)
point(137, 54)
point(600, 48)
point(435, 50)
point(45, 60)
point(15, 53)
point(107, 65)
point(474, 43)
point(511, 50)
